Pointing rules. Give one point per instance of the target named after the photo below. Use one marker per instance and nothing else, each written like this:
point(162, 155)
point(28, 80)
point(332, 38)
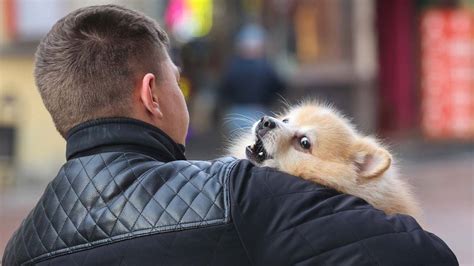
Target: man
point(127, 196)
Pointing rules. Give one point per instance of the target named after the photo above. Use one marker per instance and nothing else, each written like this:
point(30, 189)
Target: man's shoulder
point(283, 219)
point(114, 196)
point(110, 167)
point(296, 202)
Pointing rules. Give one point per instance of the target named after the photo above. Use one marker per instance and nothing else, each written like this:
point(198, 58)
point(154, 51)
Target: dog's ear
point(370, 158)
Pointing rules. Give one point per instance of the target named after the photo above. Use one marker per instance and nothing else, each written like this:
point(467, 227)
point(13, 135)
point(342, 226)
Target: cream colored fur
point(339, 157)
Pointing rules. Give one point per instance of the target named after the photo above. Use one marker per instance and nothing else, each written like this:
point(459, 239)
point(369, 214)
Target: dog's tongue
point(256, 152)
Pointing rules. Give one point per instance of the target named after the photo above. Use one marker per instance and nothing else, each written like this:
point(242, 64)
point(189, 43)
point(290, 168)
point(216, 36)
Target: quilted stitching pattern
point(137, 196)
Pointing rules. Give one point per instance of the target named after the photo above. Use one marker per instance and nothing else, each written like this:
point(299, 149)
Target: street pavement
point(443, 180)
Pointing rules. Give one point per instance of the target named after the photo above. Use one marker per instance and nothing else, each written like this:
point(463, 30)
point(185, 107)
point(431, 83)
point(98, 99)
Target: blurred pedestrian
point(250, 84)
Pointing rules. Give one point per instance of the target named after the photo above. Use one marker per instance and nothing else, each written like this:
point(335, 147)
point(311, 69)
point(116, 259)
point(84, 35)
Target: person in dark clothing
point(250, 84)
point(250, 81)
point(128, 196)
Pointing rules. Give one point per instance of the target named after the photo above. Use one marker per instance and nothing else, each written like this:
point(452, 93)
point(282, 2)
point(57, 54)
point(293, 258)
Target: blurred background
point(404, 70)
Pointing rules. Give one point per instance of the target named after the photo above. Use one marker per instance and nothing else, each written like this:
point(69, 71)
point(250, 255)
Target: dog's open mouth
point(257, 152)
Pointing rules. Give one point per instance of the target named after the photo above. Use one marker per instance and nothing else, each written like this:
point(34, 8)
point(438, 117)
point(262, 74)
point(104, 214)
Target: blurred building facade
point(30, 147)
point(364, 56)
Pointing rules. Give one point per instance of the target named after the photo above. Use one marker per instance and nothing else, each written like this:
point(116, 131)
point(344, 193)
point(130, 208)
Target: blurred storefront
point(324, 49)
point(426, 60)
point(447, 73)
point(378, 61)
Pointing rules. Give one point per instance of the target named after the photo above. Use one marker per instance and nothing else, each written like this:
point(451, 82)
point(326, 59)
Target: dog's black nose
point(266, 123)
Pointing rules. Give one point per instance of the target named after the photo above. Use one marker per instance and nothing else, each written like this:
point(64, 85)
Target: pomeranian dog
point(317, 143)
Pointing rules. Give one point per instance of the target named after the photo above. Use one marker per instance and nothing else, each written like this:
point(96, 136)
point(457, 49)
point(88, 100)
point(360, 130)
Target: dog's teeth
point(260, 153)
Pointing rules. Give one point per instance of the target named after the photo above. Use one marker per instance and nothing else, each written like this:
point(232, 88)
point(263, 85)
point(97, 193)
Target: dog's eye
point(285, 120)
point(305, 144)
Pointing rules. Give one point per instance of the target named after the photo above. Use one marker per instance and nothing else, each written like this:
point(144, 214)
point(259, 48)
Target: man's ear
point(371, 159)
point(148, 95)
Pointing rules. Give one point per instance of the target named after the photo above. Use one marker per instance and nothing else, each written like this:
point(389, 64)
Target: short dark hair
point(88, 63)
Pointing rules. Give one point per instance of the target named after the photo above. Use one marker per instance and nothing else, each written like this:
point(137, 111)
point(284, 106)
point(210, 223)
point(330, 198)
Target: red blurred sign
point(447, 73)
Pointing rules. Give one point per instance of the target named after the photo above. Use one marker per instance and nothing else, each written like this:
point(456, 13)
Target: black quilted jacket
point(127, 196)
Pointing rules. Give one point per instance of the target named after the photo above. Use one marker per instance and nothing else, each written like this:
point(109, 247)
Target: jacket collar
point(122, 134)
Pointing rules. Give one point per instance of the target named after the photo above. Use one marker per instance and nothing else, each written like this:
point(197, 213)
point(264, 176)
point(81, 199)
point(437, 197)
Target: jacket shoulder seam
point(127, 236)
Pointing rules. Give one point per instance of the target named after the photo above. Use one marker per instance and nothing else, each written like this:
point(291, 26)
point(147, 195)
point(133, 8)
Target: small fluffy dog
point(317, 143)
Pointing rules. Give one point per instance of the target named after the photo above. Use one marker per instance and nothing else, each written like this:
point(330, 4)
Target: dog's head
point(317, 137)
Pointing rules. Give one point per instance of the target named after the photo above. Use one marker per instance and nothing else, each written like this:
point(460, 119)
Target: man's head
point(109, 61)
